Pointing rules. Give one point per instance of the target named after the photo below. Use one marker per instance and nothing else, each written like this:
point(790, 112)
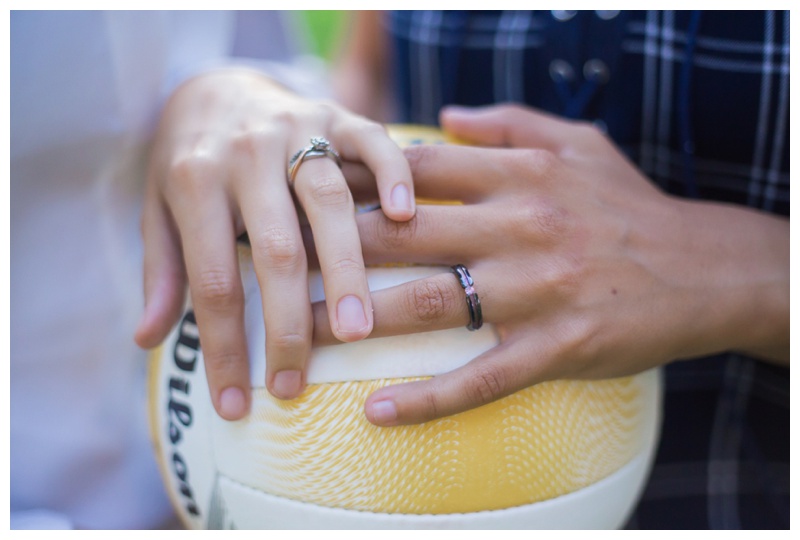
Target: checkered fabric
point(700, 101)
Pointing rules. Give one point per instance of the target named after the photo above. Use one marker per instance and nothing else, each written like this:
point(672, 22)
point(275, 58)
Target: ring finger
point(325, 197)
point(435, 303)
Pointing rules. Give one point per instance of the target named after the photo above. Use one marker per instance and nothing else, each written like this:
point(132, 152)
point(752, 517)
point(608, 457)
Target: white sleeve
point(305, 75)
point(273, 43)
point(39, 520)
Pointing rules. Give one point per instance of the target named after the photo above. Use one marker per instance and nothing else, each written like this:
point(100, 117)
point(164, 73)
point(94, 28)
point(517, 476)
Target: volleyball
point(557, 455)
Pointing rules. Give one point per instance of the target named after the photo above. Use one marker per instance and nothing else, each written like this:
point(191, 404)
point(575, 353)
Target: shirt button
point(607, 14)
point(563, 15)
point(595, 70)
point(560, 70)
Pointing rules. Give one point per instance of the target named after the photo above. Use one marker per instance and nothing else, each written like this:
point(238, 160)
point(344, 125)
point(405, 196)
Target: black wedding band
point(473, 302)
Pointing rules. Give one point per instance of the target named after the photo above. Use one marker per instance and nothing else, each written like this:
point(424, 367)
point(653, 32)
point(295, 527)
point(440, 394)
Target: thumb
point(506, 125)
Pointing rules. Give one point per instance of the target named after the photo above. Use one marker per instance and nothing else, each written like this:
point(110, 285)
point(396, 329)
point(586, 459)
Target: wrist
point(740, 267)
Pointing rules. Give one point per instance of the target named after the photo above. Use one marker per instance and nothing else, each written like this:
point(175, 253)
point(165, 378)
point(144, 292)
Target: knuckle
point(217, 288)
point(245, 145)
point(329, 191)
point(563, 277)
point(324, 110)
point(223, 363)
point(550, 223)
point(278, 247)
point(537, 162)
point(429, 301)
point(430, 405)
point(583, 338)
point(395, 235)
point(486, 385)
point(540, 219)
point(370, 128)
point(281, 119)
point(347, 265)
point(289, 342)
point(189, 172)
point(418, 156)
point(250, 143)
point(569, 275)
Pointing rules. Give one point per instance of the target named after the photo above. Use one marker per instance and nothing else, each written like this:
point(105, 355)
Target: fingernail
point(350, 315)
point(232, 403)
point(383, 412)
point(401, 199)
point(286, 384)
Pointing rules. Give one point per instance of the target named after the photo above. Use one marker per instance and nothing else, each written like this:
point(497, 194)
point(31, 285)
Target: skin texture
point(218, 170)
point(586, 269)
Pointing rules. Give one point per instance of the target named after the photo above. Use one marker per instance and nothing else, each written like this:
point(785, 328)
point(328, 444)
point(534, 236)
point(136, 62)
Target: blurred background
point(325, 29)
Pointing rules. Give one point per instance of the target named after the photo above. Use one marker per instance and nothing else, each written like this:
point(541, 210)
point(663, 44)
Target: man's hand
point(585, 268)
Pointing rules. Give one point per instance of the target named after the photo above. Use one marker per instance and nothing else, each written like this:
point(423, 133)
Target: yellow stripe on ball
point(537, 444)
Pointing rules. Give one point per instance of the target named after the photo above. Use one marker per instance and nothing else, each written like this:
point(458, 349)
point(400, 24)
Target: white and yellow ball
point(563, 454)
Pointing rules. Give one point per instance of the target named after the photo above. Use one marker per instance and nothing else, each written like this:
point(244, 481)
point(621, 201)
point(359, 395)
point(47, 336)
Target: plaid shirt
point(700, 101)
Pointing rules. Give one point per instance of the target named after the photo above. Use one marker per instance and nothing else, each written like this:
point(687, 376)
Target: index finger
point(510, 125)
point(471, 174)
point(442, 172)
point(328, 204)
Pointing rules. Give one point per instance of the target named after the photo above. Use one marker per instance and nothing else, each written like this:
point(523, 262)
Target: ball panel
point(181, 413)
point(561, 455)
point(537, 444)
point(606, 504)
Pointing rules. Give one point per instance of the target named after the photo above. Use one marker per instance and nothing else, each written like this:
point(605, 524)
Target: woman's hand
point(585, 269)
point(219, 169)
